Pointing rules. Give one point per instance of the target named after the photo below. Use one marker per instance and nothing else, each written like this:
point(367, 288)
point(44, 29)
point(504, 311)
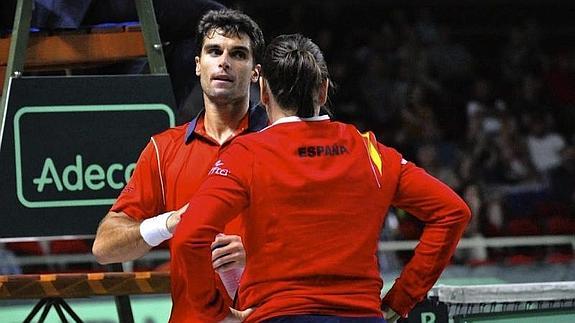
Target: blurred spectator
point(562, 179)
point(427, 158)
point(450, 62)
point(529, 98)
point(425, 26)
point(484, 110)
point(8, 263)
point(376, 90)
point(521, 54)
point(544, 144)
point(419, 123)
point(560, 81)
point(474, 199)
point(518, 168)
point(561, 78)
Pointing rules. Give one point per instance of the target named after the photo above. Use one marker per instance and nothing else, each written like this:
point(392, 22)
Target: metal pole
point(123, 306)
point(151, 35)
point(17, 53)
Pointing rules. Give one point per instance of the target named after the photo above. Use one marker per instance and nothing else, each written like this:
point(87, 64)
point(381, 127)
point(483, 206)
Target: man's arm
point(121, 238)
point(118, 236)
point(118, 239)
point(445, 216)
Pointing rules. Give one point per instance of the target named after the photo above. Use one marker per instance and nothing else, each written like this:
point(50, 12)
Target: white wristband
point(155, 230)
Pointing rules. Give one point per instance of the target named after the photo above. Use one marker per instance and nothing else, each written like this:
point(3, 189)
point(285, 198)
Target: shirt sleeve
point(141, 198)
point(445, 216)
point(223, 195)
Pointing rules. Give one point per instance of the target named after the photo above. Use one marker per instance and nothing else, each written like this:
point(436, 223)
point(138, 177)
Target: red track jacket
point(314, 195)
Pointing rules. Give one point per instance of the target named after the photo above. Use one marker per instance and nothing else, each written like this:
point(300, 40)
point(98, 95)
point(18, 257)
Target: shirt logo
point(218, 170)
point(322, 151)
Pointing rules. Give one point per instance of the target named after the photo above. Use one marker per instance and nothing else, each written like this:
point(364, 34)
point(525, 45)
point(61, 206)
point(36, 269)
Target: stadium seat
point(27, 248)
point(560, 224)
point(523, 226)
point(70, 247)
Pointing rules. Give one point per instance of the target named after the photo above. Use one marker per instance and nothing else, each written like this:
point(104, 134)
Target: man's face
point(225, 67)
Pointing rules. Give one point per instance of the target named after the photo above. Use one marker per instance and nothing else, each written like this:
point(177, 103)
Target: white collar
point(297, 119)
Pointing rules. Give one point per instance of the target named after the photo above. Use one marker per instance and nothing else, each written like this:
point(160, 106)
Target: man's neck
point(221, 121)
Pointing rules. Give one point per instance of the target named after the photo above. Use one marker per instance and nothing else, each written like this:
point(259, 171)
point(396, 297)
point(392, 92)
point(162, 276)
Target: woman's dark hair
point(231, 23)
point(294, 69)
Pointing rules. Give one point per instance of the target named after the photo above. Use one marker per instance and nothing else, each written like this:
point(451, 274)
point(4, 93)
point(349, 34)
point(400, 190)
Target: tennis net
point(533, 302)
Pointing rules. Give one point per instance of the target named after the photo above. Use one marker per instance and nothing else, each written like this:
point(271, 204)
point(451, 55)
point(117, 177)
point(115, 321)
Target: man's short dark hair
point(232, 23)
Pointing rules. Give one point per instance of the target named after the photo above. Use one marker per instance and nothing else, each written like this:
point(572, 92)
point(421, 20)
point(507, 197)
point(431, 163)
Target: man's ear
point(256, 73)
point(323, 90)
point(264, 92)
point(197, 66)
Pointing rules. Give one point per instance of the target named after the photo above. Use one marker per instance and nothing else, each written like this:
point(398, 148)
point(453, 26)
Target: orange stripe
point(48, 278)
point(95, 283)
point(95, 276)
point(142, 281)
point(143, 275)
point(48, 286)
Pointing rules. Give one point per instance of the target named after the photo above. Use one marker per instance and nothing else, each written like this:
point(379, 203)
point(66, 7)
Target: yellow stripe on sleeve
point(373, 152)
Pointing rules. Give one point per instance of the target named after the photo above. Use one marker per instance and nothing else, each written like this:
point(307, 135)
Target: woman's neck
point(275, 113)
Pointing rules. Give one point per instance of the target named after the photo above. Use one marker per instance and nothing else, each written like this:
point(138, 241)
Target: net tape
point(505, 297)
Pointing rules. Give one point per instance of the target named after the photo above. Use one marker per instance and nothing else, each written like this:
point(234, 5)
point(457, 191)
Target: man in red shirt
point(176, 161)
point(314, 195)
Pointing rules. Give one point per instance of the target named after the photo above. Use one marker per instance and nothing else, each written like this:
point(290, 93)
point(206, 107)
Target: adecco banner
point(64, 162)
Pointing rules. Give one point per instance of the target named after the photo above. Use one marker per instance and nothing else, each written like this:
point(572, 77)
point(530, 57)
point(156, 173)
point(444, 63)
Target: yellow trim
point(373, 152)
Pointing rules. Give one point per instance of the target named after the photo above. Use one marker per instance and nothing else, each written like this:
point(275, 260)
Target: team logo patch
point(218, 169)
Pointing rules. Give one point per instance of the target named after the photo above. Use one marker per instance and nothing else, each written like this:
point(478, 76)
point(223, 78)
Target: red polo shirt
point(314, 196)
point(174, 164)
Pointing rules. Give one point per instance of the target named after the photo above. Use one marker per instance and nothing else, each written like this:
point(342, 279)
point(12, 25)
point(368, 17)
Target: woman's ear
point(323, 90)
point(264, 92)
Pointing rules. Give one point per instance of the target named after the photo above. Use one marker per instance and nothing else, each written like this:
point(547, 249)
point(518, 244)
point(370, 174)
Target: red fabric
point(312, 226)
point(183, 167)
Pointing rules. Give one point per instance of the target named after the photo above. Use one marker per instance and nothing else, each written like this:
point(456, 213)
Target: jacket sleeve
point(223, 195)
point(445, 216)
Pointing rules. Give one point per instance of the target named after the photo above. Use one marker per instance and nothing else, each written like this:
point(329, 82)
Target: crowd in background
point(482, 97)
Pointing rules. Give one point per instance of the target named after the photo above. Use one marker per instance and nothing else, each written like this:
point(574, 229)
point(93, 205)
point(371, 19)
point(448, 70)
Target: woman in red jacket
point(314, 194)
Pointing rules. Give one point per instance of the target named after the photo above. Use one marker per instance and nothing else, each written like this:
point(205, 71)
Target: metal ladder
point(21, 33)
point(15, 68)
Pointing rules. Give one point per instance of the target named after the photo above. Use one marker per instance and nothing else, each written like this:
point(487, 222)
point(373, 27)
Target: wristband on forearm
point(155, 230)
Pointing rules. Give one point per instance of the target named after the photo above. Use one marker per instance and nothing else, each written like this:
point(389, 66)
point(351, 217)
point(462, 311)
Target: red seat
point(559, 257)
point(523, 226)
point(25, 248)
point(520, 259)
point(69, 246)
point(560, 224)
